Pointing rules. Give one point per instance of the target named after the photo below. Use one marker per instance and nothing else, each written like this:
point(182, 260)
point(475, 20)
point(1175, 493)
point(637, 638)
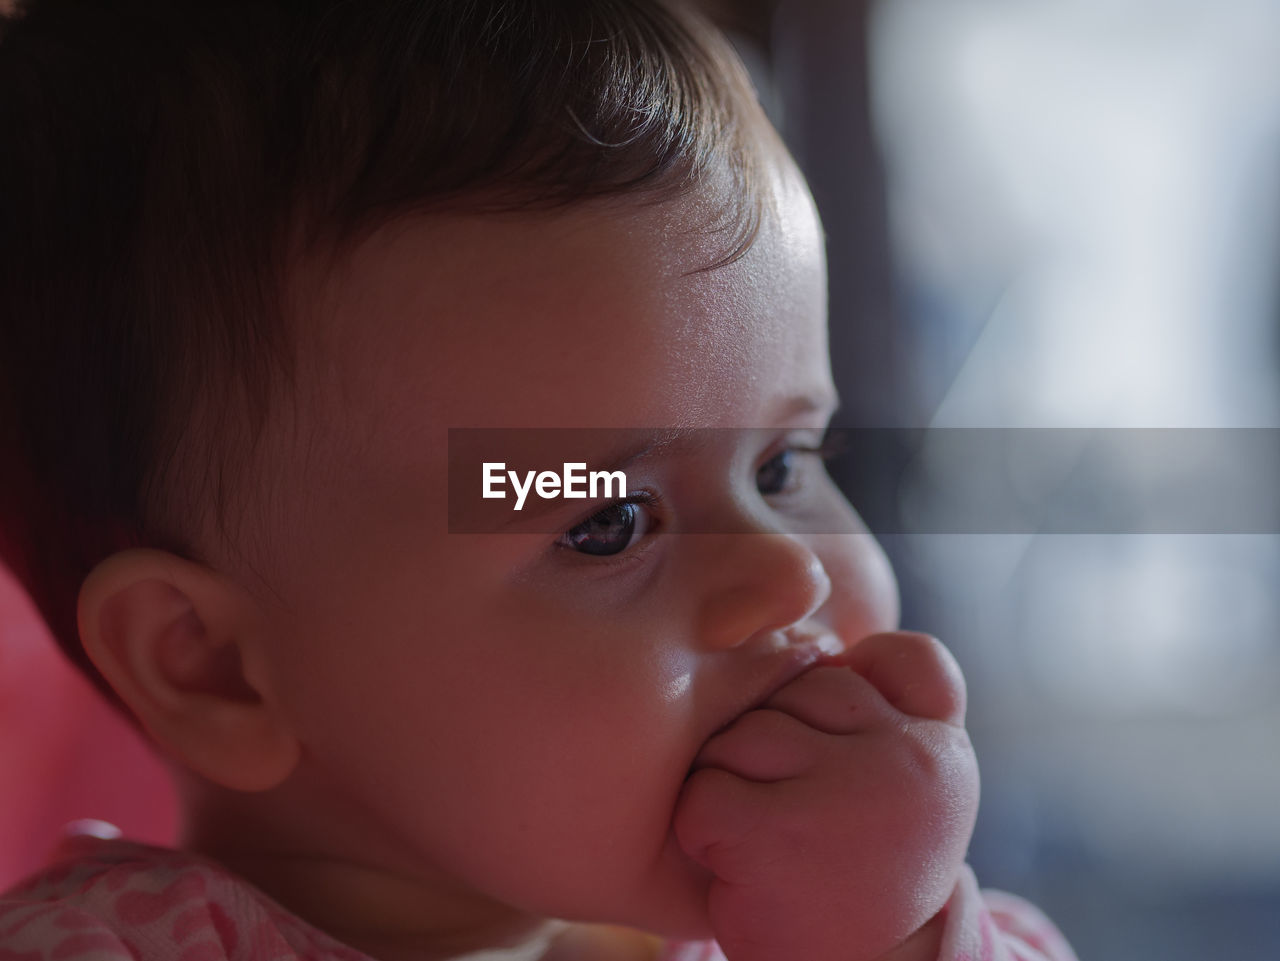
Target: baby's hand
point(835, 817)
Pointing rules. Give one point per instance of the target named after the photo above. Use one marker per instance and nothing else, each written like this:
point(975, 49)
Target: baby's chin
point(669, 901)
point(672, 902)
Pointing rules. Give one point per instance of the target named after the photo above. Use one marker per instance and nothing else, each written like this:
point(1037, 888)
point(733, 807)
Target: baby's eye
point(774, 475)
point(778, 474)
point(612, 530)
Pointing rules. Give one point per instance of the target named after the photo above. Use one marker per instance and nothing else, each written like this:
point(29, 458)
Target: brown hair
point(163, 161)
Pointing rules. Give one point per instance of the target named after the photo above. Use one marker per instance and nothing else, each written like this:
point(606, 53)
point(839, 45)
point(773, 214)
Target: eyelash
point(831, 447)
point(651, 500)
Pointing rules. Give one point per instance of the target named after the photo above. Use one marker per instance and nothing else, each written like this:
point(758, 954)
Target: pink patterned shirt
point(115, 900)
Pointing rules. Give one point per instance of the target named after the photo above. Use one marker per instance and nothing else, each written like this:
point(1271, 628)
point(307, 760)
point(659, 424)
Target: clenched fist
point(835, 816)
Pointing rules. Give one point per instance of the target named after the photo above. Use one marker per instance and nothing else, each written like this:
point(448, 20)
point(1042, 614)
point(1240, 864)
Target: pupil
point(608, 532)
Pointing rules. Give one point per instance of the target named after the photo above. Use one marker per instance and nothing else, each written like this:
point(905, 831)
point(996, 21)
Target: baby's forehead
point(562, 317)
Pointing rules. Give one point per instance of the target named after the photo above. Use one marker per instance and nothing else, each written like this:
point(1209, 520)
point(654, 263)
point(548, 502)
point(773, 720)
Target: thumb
point(914, 672)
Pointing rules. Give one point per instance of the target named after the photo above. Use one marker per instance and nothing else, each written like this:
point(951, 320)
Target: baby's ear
point(176, 642)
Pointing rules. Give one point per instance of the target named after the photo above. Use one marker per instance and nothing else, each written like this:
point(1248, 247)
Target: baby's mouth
point(796, 650)
point(821, 638)
point(801, 652)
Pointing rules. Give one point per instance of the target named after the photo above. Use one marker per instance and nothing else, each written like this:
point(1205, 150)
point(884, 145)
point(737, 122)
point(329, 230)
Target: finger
point(715, 812)
point(914, 672)
point(762, 745)
point(833, 699)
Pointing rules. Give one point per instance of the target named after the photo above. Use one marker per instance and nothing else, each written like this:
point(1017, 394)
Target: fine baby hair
point(168, 167)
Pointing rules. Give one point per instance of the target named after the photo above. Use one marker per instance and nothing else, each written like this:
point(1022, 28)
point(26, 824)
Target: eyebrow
point(820, 402)
point(659, 442)
point(679, 439)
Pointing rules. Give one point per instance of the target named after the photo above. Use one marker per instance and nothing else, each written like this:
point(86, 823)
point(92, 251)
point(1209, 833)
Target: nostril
point(767, 583)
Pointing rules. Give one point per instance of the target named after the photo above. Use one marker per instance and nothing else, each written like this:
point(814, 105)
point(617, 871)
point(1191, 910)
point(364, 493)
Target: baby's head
point(258, 259)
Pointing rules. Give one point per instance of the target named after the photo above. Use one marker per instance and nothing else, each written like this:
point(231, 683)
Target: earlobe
point(174, 639)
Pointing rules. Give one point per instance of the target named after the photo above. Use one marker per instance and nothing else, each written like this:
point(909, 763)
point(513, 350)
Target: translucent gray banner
point(926, 481)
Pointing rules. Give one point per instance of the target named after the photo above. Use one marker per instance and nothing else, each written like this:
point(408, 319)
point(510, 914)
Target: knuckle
point(765, 722)
point(941, 760)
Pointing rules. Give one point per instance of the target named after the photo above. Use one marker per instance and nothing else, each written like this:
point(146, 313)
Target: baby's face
point(506, 718)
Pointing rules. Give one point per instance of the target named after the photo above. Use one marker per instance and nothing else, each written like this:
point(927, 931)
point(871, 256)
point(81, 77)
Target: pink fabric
point(64, 752)
point(116, 900)
point(981, 926)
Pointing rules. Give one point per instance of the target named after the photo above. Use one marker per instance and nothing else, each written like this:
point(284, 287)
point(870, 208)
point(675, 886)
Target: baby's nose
point(759, 583)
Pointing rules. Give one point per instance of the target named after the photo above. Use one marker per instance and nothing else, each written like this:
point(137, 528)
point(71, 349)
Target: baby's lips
point(825, 642)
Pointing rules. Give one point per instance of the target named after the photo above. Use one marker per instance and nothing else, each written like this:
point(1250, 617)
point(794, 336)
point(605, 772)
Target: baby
point(258, 259)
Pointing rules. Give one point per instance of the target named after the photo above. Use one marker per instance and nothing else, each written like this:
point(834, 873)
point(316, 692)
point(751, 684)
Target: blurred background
point(1040, 214)
point(1066, 214)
